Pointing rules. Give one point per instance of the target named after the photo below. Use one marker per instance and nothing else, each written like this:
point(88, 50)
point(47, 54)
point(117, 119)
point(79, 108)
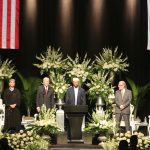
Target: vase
point(100, 101)
point(1, 87)
point(53, 138)
point(95, 140)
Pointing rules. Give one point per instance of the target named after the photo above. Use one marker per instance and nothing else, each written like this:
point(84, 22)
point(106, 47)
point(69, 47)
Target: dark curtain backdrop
point(83, 26)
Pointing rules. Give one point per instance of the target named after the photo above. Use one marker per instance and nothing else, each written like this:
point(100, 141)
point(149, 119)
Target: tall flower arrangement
point(99, 85)
point(79, 68)
point(111, 60)
point(51, 61)
point(7, 69)
point(59, 84)
point(100, 123)
point(47, 122)
point(54, 65)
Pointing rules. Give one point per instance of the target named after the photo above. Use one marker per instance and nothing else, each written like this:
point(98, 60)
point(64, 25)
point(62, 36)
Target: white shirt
point(76, 94)
point(11, 89)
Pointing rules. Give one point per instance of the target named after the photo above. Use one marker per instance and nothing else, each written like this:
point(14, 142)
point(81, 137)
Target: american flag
point(9, 24)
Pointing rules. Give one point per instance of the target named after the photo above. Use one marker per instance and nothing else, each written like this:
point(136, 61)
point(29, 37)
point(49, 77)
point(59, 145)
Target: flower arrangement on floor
point(47, 122)
point(99, 85)
point(51, 61)
point(59, 84)
point(26, 140)
point(100, 123)
point(111, 61)
point(143, 141)
point(78, 68)
point(7, 69)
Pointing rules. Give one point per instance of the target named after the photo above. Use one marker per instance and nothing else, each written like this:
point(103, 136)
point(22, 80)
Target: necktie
point(122, 93)
point(46, 89)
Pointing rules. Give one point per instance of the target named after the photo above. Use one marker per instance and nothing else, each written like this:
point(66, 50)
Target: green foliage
point(32, 147)
point(30, 86)
point(59, 84)
point(139, 94)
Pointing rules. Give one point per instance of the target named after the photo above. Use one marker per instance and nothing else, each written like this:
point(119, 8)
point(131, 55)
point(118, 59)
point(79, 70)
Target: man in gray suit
point(45, 95)
point(75, 95)
point(123, 98)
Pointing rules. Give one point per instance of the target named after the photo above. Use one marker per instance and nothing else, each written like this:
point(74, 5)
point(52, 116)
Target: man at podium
point(75, 95)
point(75, 110)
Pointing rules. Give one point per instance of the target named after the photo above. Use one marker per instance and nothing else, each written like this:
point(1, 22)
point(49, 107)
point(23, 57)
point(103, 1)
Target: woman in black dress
point(12, 104)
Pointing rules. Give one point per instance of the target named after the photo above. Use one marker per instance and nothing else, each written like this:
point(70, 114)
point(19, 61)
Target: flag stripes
point(9, 24)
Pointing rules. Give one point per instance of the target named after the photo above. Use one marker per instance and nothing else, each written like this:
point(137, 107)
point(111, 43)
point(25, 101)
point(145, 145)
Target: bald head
point(122, 85)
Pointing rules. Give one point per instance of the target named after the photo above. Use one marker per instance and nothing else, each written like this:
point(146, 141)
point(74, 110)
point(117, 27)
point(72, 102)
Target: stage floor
point(75, 147)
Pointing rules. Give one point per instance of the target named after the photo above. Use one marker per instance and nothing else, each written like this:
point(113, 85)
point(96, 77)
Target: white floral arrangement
point(78, 68)
point(100, 123)
point(111, 61)
point(51, 61)
point(99, 85)
point(143, 141)
point(7, 69)
point(47, 122)
point(23, 139)
point(59, 84)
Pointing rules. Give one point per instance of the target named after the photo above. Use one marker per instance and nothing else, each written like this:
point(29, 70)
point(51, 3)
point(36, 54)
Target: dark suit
point(70, 96)
point(45, 98)
point(125, 113)
point(70, 100)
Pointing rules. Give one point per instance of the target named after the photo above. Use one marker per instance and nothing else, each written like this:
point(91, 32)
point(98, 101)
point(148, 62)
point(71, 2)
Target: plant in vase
point(100, 123)
point(111, 61)
point(99, 85)
point(78, 68)
point(47, 122)
point(101, 126)
point(51, 61)
point(60, 85)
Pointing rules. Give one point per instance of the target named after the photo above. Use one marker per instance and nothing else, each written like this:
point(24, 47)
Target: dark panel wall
point(84, 26)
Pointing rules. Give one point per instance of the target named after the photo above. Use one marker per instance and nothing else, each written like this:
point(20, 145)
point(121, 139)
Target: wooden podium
point(74, 114)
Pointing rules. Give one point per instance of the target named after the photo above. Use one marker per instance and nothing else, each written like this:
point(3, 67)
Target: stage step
point(62, 138)
point(62, 143)
point(75, 147)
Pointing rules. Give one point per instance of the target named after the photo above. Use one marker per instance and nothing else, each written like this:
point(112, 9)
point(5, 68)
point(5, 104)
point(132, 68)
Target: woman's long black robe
point(12, 115)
